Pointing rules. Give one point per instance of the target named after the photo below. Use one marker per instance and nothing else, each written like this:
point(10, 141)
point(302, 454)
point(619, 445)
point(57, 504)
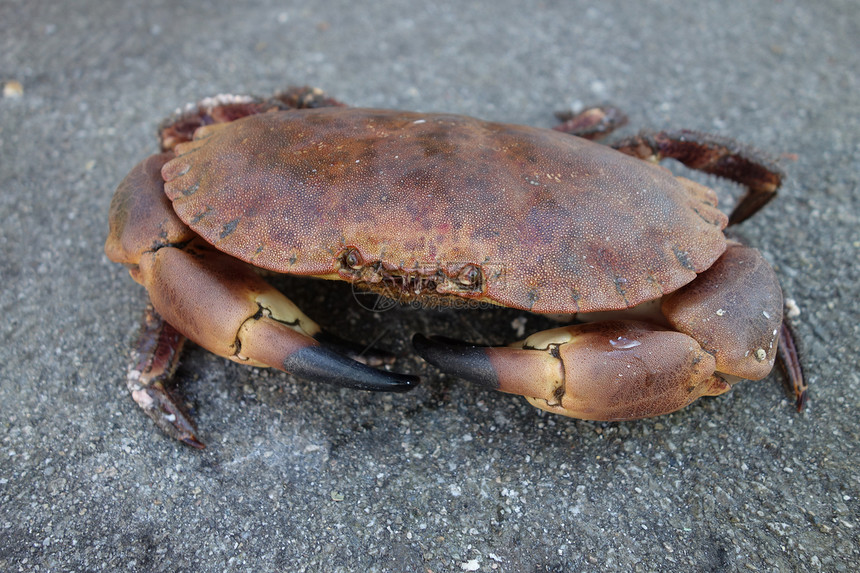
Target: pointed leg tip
point(193, 442)
point(167, 414)
point(789, 358)
point(802, 398)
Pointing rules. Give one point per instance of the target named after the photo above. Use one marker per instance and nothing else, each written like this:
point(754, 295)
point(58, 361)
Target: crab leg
point(713, 154)
point(155, 357)
point(615, 370)
point(790, 360)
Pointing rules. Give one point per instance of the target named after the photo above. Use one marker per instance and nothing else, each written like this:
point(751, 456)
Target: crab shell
point(551, 223)
point(441, 205)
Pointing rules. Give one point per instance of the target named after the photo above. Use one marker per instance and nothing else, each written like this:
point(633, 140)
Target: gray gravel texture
point(303, 477)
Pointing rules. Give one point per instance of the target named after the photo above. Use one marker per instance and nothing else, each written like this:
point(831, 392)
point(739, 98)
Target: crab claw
point(616, 370)
point(223, 305)
point(274, 334)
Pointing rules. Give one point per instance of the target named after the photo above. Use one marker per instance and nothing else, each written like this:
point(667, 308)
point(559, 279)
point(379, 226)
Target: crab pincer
point(613, 370)
point(243, 318)
point(719, 329)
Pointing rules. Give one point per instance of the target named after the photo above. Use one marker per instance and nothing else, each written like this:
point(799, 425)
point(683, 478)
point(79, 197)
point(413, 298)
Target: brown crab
point(439, 206)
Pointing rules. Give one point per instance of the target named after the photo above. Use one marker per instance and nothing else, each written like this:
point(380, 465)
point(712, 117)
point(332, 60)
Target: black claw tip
point(458, 358)
point(321, 364)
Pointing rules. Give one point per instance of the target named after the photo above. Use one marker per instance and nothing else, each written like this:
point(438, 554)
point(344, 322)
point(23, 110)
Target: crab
point(442, 207)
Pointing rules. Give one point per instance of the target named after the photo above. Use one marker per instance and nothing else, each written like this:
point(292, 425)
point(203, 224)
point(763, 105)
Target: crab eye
point(352, 258)
point(469, 276)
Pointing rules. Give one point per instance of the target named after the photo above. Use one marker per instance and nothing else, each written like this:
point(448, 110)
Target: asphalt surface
point(302, 477)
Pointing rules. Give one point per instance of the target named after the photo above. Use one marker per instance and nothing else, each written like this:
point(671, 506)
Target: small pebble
point(13, 89)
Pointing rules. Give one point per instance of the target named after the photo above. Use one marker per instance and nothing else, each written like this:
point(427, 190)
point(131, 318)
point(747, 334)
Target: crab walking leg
point(716, 155)
point(789, 357)
point(615, 370)
point(154, 360)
